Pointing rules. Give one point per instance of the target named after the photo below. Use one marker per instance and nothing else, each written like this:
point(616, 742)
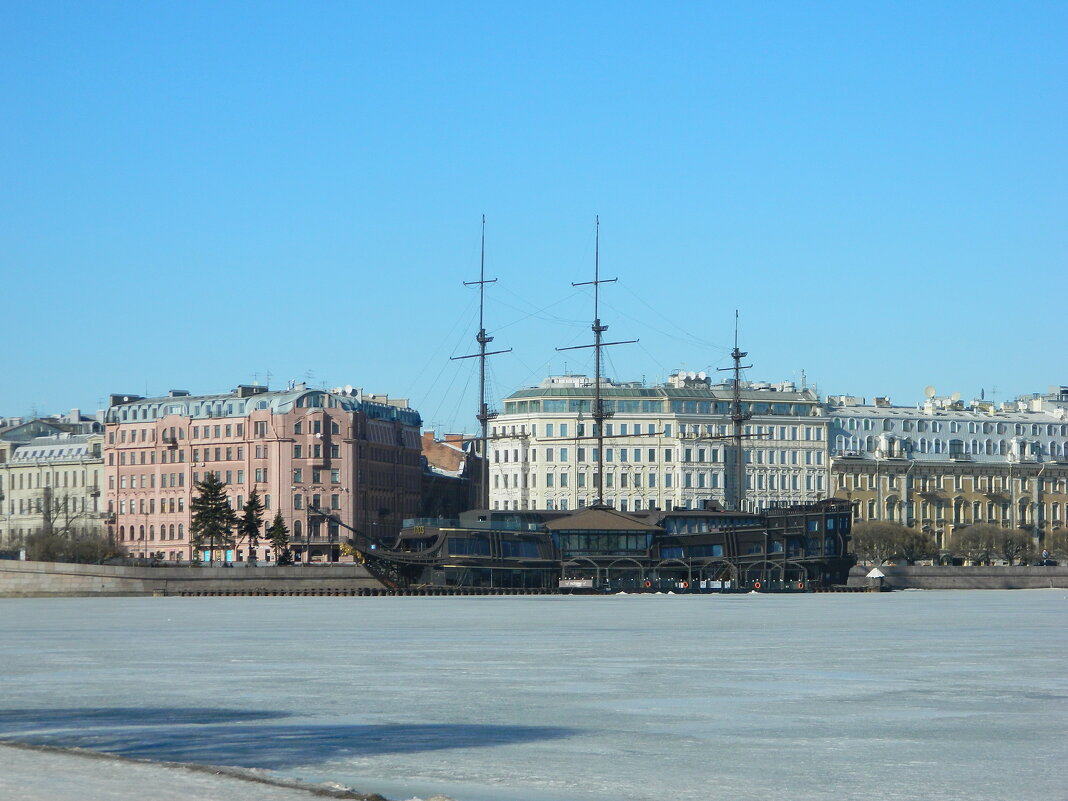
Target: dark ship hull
point(597, 549)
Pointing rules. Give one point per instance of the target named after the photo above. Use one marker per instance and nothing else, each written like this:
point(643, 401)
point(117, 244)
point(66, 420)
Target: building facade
point(451, 475)
point(51, 485)
point(666, 446)
point(51, 474)
point(946, 464)
point(327, 460)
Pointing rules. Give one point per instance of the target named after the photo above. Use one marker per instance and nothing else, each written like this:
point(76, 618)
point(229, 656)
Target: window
point(298, 476)
point(335, 476)
point(297, 452)
point(335, 451)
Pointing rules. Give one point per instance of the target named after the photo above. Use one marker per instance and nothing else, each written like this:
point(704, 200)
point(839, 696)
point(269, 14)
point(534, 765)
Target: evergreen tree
point(212, 520)
point(278, 534)
point(248, 528)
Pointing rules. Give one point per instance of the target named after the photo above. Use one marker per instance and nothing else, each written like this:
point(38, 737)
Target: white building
point(666, 446)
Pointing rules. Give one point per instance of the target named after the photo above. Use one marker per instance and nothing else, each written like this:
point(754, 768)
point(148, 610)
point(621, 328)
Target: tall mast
point(598, 412)
point(736, 499)
point(484, 414)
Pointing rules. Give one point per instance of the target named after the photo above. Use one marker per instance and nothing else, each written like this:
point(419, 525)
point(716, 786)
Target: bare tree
point(1014, 544)
point(977, 543)
point(875, 540)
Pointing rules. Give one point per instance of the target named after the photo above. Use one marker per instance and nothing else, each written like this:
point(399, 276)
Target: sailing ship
point(597, 548)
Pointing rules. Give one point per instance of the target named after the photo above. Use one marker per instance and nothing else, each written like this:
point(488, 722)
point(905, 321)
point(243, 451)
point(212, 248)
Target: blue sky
point(193, 195)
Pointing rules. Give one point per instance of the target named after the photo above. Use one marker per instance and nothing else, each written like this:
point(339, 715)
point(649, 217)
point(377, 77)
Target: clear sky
point(194, 195)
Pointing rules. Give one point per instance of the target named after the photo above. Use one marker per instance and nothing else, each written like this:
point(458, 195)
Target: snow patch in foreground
point(44, 773)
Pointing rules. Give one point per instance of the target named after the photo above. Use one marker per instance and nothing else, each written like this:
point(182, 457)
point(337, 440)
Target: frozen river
point(910, 695)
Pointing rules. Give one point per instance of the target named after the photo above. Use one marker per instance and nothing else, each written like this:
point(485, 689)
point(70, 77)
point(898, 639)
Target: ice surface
point(947, 695)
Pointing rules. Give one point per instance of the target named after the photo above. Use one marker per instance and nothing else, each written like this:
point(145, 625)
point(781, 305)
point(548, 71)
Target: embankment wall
point(994, 577)
point(48, 579)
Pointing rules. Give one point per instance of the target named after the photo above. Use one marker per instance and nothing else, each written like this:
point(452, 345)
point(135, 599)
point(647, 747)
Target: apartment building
point(666, 446)
point(329, 461)
point(947, 464)
point(51, 473)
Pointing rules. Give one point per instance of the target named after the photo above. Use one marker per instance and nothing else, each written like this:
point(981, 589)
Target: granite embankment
point(993, 577)
point(54, 579)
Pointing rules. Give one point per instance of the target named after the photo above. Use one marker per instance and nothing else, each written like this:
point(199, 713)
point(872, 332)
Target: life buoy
point(648, 584)
point(756, 585)
point(800, 585)
point(684, 584)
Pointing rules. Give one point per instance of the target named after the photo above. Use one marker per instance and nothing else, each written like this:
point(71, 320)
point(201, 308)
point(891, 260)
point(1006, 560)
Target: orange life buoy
point(684, 584)
point(800, 585)
point(648, 584)
point(756, 585)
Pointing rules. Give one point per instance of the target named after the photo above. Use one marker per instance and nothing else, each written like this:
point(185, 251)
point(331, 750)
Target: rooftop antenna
point(484, 414)
point(736, 498)
point(598, 412)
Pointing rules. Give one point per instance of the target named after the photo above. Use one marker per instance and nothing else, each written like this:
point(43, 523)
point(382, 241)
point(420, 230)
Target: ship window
point(523, 548)
point(466, 546)
point(706, 550)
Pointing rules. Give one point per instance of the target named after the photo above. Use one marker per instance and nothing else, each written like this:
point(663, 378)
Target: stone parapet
point(45, 579)
point(993, 577)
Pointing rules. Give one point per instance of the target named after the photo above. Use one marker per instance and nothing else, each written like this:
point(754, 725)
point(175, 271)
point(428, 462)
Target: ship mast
point(736, 498)
point(484, 414)
point(598, 412)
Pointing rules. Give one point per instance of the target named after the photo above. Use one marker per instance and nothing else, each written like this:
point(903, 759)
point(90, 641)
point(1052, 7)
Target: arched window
point(152, 532)
point(122, 532)
point(181, 531)
point(141, 533)
point(298, 529)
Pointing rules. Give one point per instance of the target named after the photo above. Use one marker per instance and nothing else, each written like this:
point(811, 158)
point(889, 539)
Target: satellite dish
point(702, 375)
point(348, 389)
point(955, 396)
point(929, 391)
point(693, 375)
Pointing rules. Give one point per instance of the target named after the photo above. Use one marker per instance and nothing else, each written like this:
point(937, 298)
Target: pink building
point(327, 460)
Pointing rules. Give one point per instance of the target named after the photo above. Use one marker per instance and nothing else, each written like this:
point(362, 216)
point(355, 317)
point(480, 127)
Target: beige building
point(946, 464)
point(50, 483)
